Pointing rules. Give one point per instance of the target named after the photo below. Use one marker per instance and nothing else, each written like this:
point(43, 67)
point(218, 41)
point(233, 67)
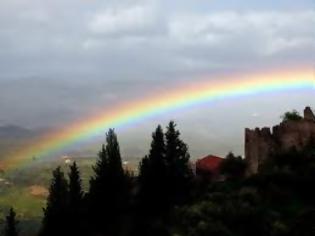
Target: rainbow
point(188, 95)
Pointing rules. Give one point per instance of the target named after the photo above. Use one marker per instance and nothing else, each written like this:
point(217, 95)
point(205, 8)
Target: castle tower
point(261, 144)
point(308, 114)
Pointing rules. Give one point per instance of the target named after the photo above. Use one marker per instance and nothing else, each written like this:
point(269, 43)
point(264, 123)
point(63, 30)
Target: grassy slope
point(27, 205)
point(18, 195)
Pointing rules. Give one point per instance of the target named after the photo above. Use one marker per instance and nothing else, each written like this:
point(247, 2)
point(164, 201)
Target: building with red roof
point(209, 167)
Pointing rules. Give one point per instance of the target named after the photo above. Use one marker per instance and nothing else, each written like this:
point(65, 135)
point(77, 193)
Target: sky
point(61, 61)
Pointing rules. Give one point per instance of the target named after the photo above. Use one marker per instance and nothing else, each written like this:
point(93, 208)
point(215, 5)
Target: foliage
point(164, 181)
point(11, 224)
point(64, 204)
point(75, 204)
point(165, 174)
point(166, 198)
point(153, 177)
point(233, 167)
point(179, 170)
point(55, 213)
point(291, 115)
point(224, 213)
point(108, 197)
point(304, 224)
point(75, 186)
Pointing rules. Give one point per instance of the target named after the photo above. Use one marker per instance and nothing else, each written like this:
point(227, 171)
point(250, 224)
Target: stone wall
point(261, 144)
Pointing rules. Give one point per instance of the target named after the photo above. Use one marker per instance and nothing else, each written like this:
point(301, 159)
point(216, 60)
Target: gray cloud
point(60, 60)
point(68, 39)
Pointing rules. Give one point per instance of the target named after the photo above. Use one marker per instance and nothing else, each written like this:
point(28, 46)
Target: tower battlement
point(261, 144)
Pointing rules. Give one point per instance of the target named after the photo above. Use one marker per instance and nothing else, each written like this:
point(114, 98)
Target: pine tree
point(164, 178)
point(11, 224)
point(75, 188)
point(97, 192)
point(56, 211)
point(109, 188)
point(152, 197)
point(75, 207)
point(114, 157)
point(179, 170)
point(100, 171)
point(152, 176)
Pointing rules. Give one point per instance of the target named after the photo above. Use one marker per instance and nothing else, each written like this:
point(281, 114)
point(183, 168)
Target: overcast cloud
point(60, 60)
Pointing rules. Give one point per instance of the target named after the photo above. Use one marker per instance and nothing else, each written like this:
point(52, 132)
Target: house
point(67, 159)
point(209, 167)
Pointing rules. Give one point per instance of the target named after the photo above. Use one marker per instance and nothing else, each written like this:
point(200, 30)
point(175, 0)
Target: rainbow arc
point(131, 111)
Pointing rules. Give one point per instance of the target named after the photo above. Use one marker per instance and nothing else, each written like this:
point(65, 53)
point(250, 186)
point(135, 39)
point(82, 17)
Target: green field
point(18, 188)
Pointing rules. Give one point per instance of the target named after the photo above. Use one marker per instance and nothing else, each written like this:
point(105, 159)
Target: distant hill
point(14, 131)
point(12, 137)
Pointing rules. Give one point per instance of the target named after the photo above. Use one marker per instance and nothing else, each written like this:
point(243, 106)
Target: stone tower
point(261, 144)
point(308, 114)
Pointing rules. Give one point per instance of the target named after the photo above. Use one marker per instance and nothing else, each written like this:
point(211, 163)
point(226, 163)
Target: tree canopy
point(55, 213)
point(108, 197)
point(11, 224)
point(291, 116)
point(168, 199)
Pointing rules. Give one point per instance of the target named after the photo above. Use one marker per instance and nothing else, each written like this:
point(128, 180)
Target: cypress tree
point(56, 211)
point(75, 187)
point(152, 176)
point(179, 170)
point(118, 183)
point(152, 198)
point(11, 224)
point(109, 188)
point(100, 171)
point(75, 206)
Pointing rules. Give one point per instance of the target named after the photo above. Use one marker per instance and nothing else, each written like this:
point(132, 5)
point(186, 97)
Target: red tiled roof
point(209, 164)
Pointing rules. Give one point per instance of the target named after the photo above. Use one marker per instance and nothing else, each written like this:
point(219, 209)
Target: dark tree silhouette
point(152, 175)
point(75, 207)
point(164, 180)
point(166, 200)
point(75, 187)
point(304, 224)
point(179, 170)
point(233, 167)
point(291, 115)
point(152, 198)
point(109, 189)
point(11, 223)
point(55, 221)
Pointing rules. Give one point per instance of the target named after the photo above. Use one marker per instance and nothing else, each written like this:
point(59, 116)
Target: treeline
point(167, 199)
point(117, 202)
